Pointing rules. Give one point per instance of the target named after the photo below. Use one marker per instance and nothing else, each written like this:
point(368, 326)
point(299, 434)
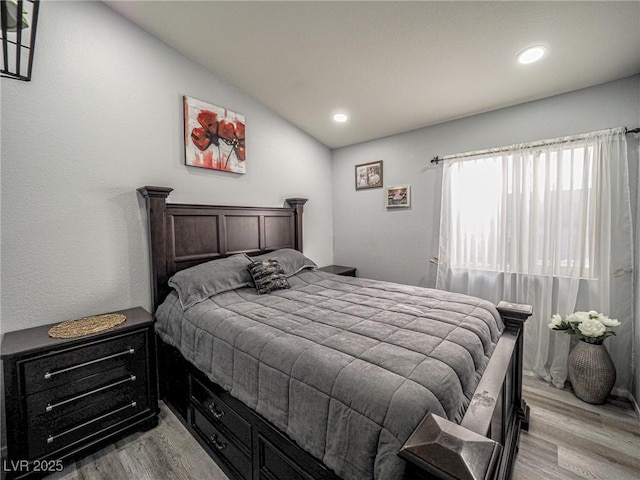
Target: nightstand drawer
point(89, 410)
point(46, 438)
point(51, 404)
point(220, 412)
point(221, 444)
point(64, 366)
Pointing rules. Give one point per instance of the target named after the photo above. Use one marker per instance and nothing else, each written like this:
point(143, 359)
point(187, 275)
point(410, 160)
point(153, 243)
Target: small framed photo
point(369, 175)
point(398, 196)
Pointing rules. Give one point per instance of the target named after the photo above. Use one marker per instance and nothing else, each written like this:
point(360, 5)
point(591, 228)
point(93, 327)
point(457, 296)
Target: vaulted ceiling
point(395, 66)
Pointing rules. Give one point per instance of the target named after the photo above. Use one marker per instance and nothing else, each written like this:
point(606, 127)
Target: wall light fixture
point(19, 20)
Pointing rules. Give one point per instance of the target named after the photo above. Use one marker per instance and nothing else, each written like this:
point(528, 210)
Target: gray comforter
point(347, 367)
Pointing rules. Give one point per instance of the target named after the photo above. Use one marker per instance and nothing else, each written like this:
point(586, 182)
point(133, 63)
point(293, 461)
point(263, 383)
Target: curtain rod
point(438, 159)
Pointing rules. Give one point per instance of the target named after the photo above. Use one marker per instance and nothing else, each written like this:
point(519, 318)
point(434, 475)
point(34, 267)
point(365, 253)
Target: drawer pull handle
point(217, 414)
point(131, 378)
point(219, 445)
point(128, 351)
point(51, 438)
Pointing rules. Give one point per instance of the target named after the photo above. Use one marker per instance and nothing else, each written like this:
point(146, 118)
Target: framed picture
point(213, 137)
point(369, 175)
point(398, 196)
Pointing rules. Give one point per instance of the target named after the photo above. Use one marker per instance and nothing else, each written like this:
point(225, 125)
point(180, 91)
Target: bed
point(331, 377)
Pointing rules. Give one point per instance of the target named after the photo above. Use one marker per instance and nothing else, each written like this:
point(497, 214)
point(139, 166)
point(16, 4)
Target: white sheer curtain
point(546, 224)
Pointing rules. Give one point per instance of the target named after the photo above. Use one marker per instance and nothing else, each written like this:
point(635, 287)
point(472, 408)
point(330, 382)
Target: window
point(524, 211)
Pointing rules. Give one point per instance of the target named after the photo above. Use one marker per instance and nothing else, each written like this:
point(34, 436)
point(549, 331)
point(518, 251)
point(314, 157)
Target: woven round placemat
point(80, 327)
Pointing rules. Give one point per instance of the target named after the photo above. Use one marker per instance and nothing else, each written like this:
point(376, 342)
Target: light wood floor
point(571, 439)
point(567, 439)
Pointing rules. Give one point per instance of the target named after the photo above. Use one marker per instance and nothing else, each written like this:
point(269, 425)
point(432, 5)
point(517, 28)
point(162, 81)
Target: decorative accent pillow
point(268, 275)
point(292, 261)
point(198, 283)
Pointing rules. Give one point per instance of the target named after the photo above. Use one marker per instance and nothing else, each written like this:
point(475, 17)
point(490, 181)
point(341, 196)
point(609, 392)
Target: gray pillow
point(292, 261)
point(198, 283)
point(267, 275)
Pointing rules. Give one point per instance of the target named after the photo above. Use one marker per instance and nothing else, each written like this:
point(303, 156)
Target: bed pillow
point(292, 261)
point(267, 275)
point(198, 283)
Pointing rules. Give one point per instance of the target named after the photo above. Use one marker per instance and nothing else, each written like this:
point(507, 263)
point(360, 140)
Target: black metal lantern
point(19, 22)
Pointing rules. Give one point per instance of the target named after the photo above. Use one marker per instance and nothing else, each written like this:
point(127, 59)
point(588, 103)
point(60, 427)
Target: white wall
point(102, 116)
point(395, 245)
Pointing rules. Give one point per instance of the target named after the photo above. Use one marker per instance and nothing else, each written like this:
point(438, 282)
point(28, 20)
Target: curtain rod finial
point(435, 160)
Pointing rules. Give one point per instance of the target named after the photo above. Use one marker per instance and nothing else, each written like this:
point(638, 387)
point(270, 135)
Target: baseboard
point(627, 395)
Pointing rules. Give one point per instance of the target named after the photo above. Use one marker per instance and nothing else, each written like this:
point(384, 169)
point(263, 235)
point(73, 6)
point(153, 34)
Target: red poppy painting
point(213, 137)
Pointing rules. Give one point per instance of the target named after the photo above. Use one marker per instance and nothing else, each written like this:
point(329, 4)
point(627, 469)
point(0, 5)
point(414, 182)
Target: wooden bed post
point(156, 206)
point(514, 315)
point(297, 204)
point(439, 448)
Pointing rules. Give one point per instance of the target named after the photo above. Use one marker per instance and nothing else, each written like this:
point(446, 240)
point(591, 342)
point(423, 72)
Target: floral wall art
point(214, 137)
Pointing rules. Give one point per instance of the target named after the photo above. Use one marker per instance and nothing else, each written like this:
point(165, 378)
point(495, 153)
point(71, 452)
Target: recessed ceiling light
point(340, 117)
point(531, 54)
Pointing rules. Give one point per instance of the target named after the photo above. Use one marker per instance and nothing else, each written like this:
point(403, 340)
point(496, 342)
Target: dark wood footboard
point(485, 443)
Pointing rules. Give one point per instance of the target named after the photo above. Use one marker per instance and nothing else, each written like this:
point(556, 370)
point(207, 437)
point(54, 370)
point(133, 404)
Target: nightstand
point(340, 270)
point(65, 396)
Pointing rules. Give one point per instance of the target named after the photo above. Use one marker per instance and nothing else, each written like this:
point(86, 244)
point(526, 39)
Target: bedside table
point(64, 396)
point(340, 270)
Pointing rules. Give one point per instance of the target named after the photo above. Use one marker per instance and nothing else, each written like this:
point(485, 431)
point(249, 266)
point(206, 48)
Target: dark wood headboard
point(181, 235)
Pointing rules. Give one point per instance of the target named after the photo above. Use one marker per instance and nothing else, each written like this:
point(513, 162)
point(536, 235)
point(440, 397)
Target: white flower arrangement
point(592, 327)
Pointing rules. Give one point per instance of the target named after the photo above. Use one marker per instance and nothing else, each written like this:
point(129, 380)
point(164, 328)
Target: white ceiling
point(395, 66)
